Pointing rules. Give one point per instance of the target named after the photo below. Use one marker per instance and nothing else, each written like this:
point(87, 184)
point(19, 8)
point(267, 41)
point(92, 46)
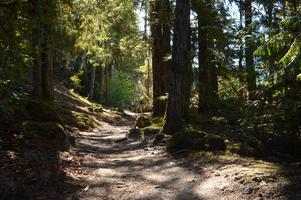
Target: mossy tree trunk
point(92, 83)
point(47, 64)
point(180, 61)
point(187, 82)
point(208, 85)
point(161, 49)
point(42, 48)
point(249, 49)
point(35, 45)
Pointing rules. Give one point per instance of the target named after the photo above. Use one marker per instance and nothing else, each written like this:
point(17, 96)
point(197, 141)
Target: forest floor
point(137, 169)
point(104, 166)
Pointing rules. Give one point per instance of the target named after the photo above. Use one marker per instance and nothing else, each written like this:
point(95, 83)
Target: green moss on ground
point(51, 132)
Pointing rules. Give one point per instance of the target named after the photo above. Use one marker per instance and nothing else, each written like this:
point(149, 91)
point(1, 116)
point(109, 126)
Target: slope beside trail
point(136, 169)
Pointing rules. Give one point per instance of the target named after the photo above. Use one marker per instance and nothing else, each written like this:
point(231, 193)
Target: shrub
point(121, 90)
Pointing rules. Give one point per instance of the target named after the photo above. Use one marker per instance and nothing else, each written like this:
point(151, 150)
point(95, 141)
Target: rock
point(120, 110)
point(121, 140)
point(246, 150)
point(51, 132)
point(190, 140)
point(251, 148)
point(151, 130)
point(256, 179)
point(171, 146)
point(134, 133)
point(215, 142)
point(142, 122)
point(159, 137)
point(258, 198)
point(247, 190)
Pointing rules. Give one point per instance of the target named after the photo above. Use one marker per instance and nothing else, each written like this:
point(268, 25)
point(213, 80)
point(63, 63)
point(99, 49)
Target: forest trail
point(139, 170)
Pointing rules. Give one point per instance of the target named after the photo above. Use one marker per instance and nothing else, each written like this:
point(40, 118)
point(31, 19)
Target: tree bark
point(161, 49)
point(180, 61)
point(35, 52)
point(92, 83)
point(47, 64)
point(207, 70)
point(187, 82)
point(249, 49)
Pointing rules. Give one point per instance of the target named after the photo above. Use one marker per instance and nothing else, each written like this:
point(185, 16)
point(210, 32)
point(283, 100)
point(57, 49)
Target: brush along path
point(134, 169)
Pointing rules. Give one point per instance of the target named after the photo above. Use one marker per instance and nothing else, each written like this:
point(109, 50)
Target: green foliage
point(121, 90)
point(77, 81)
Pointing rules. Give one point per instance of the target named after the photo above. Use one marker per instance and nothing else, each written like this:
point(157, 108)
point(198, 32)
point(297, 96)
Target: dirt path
point(138, 170)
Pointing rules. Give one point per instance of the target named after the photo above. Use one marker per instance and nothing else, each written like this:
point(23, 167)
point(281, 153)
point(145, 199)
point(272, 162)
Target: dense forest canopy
point(134, 53)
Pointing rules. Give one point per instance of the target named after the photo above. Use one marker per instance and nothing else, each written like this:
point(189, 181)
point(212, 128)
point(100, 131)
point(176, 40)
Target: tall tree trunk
point(107, 100)
point(92, 83)
point(102, 84)
point(208, 84)
point(187, 82)
point(47, 64)
point(180, 61)
point(251, 73)
point(35, 45)
point(241, 53)
point(203, 63)
point(146, 10)
point(161, 49)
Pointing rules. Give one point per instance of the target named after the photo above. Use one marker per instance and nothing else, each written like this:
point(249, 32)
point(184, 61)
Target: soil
point(107, 166)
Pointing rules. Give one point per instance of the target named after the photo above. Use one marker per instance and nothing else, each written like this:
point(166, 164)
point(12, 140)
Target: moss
point(81, 121)
point(192, 128)
point(157, 121)
point(51, 132)
point(135, 133)
point(41, 110)
point(151, 130)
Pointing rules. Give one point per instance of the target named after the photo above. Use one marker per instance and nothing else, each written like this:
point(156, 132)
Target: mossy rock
point(251, 147)
point(51, 132)
point(215, 142)
point(135, 133)
point(190, 140)
point(142, 122)
point(43, 111)
point(120, 110)
point(79, 120)
point(151, 130)
point(95, 109)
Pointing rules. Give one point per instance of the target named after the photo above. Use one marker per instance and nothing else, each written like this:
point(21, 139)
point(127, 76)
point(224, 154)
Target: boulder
point(190, 140)
point(159, 138)
point(50, 132)
point(120, 110)
point(251, 147)
point(215, 142)
point(142, 122)
point(151, 130)
point(134, 133)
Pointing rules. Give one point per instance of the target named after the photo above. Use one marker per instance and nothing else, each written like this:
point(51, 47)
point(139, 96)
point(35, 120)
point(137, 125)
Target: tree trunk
point(180, 61)
point(161, 49)
point(35, 54)
point(106, 84)
point(47, 64)
point(251, 73)
point(102, 85)
point(92, 83)
point(241, 53)
point(187, 82)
